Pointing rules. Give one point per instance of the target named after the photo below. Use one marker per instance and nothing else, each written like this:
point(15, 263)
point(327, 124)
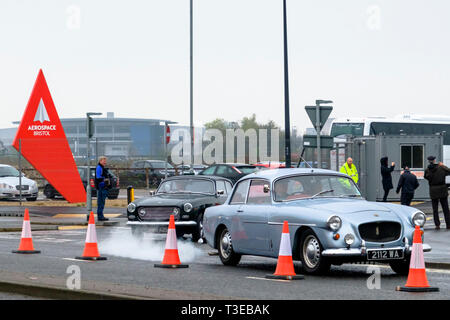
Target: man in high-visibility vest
point(350, 169)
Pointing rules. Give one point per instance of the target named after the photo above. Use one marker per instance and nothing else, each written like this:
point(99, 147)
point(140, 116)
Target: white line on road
point(279, 280)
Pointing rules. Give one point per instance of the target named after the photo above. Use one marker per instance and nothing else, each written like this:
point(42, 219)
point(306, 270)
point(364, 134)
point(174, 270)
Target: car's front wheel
point(400, 266)
point(311, 254)
point(226, 252)
point(198, 232)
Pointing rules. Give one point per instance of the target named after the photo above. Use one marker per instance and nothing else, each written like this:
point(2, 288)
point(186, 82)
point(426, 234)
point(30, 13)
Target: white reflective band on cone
point(91, 235)
point(171, 240)
point(417, 261)
point(26, 229)
point(285, 245)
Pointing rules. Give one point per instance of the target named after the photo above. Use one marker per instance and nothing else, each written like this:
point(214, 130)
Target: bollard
point(130, 194)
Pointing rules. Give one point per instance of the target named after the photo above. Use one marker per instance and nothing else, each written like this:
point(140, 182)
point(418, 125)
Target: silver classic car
point(329, 221)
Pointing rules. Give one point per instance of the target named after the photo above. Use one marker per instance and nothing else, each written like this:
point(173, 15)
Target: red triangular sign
point(45, 146)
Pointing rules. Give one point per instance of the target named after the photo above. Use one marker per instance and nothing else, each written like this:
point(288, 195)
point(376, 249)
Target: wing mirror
point(220, 192)
point(266, 188)
point(152, 193)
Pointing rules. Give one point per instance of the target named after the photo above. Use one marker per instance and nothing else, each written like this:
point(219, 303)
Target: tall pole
point(20, 171)
point(192, 82)
point(287, 126)
point(88, 174)
point(318, 121)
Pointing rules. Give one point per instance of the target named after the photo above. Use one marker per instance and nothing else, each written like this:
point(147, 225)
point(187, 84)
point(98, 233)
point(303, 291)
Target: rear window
point(247, 169)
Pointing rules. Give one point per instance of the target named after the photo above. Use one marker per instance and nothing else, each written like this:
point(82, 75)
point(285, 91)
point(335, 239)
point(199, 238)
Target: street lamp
point(89, 134)
point(287, 126)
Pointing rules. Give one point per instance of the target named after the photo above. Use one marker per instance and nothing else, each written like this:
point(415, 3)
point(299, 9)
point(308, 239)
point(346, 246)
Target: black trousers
point(386, 193)
point(444, 204)
point(406, 198)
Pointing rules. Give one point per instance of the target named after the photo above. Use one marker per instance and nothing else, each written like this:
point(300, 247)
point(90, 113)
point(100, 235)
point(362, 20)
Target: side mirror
point(220, 192)
point(152, 193)
point(266, 188)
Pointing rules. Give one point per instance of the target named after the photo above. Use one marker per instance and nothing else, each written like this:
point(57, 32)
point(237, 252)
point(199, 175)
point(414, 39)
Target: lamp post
point(89, 134)
point(192, 82)
point(287, 127)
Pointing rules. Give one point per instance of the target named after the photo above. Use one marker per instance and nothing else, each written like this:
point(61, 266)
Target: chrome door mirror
point(266, 188)
point(152, 193)
point(220, 192)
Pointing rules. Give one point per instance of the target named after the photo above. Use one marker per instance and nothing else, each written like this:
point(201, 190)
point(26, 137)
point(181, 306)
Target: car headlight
point(334, 223)
point(5, 186)
point(131, 207)
point(187, 207)
point(418, 218)
point(349, 239)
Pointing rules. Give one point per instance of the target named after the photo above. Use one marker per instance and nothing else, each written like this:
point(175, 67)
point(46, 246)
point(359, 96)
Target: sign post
point(318, 115)
point(90, 134)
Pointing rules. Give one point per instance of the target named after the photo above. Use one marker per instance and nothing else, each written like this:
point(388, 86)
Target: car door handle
point(240, 210)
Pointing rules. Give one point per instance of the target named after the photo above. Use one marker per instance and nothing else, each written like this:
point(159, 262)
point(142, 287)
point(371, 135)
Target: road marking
point(258, 278)
point(72, 259)
point(83, 215)
point(71, 227)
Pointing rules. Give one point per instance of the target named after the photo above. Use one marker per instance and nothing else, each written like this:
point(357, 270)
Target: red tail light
point(92, 183)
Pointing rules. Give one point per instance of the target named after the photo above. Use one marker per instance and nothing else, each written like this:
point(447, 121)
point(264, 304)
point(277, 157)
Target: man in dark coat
point(386, 177)
point(408, 183)
point(435, 174)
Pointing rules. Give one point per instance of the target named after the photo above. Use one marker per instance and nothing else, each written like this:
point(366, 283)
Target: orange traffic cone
point(91, 249)
point(26, 241)
point(417, 278)
point(171, 258)
point(285, 265)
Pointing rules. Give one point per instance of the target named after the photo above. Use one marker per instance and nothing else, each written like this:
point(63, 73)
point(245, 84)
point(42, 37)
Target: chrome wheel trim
point(225, 245)
point(200, 226)
point(311, 251)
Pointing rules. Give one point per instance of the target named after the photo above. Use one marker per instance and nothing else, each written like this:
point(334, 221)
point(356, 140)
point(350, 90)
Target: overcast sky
point(372, 58)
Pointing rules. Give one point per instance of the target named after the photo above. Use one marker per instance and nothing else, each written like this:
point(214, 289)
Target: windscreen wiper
point(321, 192)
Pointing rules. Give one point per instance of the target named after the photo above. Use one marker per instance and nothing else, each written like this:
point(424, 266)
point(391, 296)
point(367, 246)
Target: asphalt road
point(130, 269)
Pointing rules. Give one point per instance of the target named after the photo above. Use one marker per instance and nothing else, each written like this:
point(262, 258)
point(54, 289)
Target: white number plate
point(384, 254)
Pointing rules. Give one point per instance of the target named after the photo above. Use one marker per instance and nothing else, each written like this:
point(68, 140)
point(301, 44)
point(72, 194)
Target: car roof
point(5, 165)
point(198, 177)
point(233, 164)
point(278, 173)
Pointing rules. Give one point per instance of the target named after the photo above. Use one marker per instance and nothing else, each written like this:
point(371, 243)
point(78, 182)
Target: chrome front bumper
point(360, 252)
point(161, 223)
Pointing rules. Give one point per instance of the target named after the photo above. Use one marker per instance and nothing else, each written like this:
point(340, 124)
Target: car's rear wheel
point(311, 254)
point(226, 252)
point(400, 267)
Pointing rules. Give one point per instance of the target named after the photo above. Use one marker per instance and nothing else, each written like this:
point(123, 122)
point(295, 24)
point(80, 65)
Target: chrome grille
point(24, 187)
point(382, 231)
point(156, 213)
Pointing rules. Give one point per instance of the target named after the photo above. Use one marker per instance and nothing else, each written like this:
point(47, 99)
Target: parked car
point(232, 171)
point(10, 186)
point(156, 170)
point(270, 164)
point(186, 169)
point(329, 221)
point(50, 192)
point(186, 197)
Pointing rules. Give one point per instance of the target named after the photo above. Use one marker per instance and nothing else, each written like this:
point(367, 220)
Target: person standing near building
point(408, 183)
point(386, 177)
point(102, 183)
point(350, 169)
point(435, 174)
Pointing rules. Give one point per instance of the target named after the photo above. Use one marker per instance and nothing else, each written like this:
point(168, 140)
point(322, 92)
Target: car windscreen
point(160, 165)
point(8, 172)
point(312, 186)
point(247, 169)
point(186, 186)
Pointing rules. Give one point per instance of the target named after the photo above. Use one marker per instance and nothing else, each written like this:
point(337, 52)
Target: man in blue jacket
point(408, 183)
point(101, 184)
